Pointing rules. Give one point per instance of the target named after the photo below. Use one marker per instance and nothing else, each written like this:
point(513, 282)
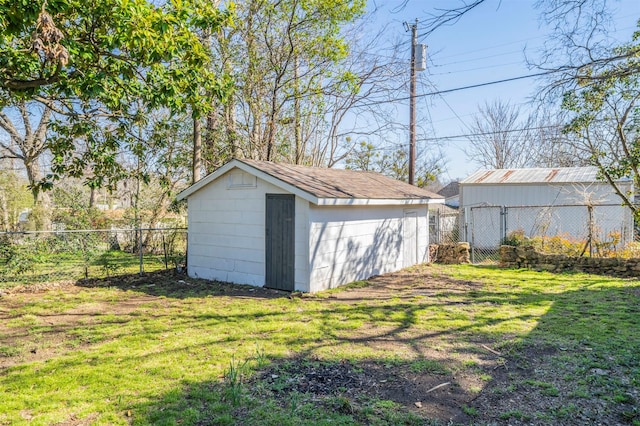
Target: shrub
point(21, 257)
point(515, 238)
point(567, 245)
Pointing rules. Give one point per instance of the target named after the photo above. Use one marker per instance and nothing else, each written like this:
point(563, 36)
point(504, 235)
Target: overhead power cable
point(457, 89)
point(498, 132)
point(465, 136)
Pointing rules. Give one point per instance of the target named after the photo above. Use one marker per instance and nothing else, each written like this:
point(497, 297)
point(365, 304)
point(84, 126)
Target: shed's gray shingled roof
point(533, 175)
point(340, 183)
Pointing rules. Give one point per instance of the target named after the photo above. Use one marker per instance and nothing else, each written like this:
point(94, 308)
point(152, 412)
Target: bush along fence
point(38, 257)
point(576, 230)
point(529, 257)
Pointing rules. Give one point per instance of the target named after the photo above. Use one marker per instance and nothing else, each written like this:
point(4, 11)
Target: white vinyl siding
point(227, 235)
point(353, 243)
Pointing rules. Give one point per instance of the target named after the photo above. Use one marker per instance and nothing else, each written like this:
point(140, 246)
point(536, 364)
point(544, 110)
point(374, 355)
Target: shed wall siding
point(227, 233)
point(352, 243)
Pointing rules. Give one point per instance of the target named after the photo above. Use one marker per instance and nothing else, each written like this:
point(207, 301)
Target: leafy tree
point(101, 67)
point(73, 209)
point(14, 199)
point(605, 108)
point(392, 163)
point(284, 57)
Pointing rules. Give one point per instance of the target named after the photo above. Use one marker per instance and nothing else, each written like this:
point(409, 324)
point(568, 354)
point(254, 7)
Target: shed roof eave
point(377, 201)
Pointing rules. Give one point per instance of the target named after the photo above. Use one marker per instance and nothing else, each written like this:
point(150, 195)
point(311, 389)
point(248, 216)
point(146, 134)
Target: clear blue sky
point(487, 44)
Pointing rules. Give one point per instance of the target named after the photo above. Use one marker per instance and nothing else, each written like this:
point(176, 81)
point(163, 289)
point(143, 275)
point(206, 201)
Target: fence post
point(473, 228)
point(437, 227)
point(140, 250)
point(503, 223)
point(164, 249)
point(591, 226)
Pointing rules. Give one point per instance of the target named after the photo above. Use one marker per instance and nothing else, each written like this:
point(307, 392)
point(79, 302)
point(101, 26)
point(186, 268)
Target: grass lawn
point(428, 345)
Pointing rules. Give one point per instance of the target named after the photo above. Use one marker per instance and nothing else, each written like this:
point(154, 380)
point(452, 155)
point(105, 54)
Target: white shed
point(542, 201)
point(302, 228)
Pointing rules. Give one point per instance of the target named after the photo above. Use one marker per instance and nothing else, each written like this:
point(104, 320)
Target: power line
point(457, 89)
point(462, 136)
point(498, 132)
point(475, 69)
point(497, 55)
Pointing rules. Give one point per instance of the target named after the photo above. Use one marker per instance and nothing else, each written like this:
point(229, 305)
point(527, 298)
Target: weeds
point(233, 378)
point(429, 366)
point(515, 414)
point(470, 411)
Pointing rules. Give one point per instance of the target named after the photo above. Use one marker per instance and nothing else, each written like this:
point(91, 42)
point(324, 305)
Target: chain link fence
point(444, 227)
point(578, 230)
point(39, 257)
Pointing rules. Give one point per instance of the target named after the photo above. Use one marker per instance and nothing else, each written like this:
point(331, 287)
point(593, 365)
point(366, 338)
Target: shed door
point(280, 241)
point(410, 238)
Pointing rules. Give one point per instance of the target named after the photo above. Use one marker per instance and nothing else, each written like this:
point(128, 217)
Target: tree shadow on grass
point(579, 364)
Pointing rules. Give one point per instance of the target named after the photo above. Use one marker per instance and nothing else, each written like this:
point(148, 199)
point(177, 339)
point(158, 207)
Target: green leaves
point(604, 104)
point(104, 66)
point(109, 51)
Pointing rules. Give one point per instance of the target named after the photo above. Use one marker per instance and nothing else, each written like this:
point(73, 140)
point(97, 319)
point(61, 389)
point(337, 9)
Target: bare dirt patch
point(430, 396)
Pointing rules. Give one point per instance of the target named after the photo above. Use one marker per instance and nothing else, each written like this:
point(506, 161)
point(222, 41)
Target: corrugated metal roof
point(534, 175)
point(340, 183)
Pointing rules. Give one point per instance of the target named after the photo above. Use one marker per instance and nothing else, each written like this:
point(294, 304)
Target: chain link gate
point(485, 231)
point(596, 231)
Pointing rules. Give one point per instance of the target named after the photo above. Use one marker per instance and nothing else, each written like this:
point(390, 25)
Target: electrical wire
point(471, 86)
point(498, 132)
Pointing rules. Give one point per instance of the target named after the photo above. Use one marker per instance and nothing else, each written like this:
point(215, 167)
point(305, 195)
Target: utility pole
point(418, 63)
point(412, 106)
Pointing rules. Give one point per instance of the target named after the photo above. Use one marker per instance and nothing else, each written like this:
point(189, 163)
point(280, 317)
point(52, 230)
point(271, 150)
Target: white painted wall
point(535, 221)
point(347, 244)
point(227, 231)
point(535, 194)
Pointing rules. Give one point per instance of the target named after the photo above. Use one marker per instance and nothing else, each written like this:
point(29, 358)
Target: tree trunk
point(232, 136)
point(197, 150)
point(299, 149)
point(92, 197)
point(41, 200)
point(5, 211)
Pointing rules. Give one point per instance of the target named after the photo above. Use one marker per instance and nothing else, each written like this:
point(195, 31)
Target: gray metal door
point(280, 241)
